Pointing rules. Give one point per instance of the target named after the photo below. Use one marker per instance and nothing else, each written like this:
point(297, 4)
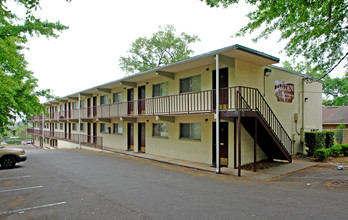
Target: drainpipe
point(302, 121)
point(217, 130)
point(43, 128)
point(79, 121)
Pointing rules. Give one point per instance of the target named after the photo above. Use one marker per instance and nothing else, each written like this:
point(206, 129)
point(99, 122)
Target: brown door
point(130, 99)
point(66, 130)
point(95, 106)
point(89, 107)
point(69, 111)
point(141, 100)
point(69, 130)
point(223, 84)
point(223, 143)
point(88, 132)
point(130, 136)
point(141, 135)
point(94, 133)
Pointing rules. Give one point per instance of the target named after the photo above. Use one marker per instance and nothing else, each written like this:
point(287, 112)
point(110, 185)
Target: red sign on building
point(285, 92)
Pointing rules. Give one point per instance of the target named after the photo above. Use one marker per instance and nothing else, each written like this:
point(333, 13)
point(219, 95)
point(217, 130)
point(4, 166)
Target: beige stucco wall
point(241, 73)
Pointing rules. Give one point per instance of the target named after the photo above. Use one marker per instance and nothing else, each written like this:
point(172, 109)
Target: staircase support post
point(239, 138)
point(255, 142)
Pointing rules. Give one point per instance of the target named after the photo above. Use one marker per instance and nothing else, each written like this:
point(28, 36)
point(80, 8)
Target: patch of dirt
point(265, 164)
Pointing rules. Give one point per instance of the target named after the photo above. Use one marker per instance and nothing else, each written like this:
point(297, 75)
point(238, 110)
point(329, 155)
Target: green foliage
point(329, 139)
point(339, 133)
point(335, 90)
point(18, 94)
point(314, 140)
point(344, 149)
point(13, 141)
point(336, 150)
point(322, 154)
point(316, 30)
point(162, 48)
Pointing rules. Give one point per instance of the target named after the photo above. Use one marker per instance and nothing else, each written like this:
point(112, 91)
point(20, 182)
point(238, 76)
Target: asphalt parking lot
point(71, 184)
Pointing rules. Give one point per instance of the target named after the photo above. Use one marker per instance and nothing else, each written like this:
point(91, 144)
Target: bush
point(344, 149)
point(330, 139)
point(314, 140)
point(9, 141)
point(322, 154)
point(336, 150)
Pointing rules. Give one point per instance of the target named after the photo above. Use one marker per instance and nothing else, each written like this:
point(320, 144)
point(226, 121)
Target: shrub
point(344, 149)
point(330, 139)
point(336, 150)
point(314, 140)
point(322, 154)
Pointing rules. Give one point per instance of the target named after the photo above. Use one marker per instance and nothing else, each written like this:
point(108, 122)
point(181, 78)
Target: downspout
point(43, 129)
point(217, 115)
point(302, 115)
point(79, 121)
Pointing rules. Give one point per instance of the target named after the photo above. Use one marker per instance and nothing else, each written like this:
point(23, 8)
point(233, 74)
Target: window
point(190, 130)
point(82, 103)
point(118, 128)
point(160, 129)
point(61, 126)
point(74, 127)
point(55, 126)
point(61, 108)
point(74, 105)
point(160, 89)
point(191, 84)
point(104, 128)
point(82, 127)
point(104, 100)
point(55, 108)
point(117, 97)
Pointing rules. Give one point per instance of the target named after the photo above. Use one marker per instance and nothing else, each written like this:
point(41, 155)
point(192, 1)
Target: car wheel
point(8, 162)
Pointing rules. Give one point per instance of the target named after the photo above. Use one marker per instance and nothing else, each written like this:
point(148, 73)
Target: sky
point(87, 54)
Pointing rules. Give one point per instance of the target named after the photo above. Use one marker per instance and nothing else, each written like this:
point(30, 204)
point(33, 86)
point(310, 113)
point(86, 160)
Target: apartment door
point(66, 130)
point(130, 133)
point(141, 136)
point(94, 133)
point(141, 100)
point(89, 107)
point(65, 110)
point(130, 99)
point(223, 84)
point(88, 132)
point(223, 143)
point(95, 106)
point(69, 110)
point(69, 130)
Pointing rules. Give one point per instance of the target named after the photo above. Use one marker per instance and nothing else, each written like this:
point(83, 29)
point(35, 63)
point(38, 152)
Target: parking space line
point(16, 177)
point(11, 190)
point(31, 208)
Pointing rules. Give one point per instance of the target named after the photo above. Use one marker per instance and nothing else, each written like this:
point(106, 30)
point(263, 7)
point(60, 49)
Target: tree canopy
point(335, 89)
point(162, 48)
point(316, 30)
point(19, 96)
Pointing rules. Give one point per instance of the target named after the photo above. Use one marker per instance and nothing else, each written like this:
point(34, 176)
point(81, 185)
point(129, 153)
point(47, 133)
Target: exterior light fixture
point(267, 72)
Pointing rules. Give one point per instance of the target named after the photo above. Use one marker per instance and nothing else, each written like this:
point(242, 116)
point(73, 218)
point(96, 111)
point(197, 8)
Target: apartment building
point(171, 111)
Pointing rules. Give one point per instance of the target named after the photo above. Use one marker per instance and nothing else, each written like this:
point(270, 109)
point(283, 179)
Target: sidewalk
point(260, 175)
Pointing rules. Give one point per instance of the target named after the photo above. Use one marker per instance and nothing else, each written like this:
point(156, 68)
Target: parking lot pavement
point(71, 184)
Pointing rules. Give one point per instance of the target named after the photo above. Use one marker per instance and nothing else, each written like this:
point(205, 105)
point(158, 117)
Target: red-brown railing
point(88, 140)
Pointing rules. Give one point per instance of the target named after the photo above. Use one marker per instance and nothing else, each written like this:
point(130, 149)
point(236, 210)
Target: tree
point(19, 96)
point(316, 30)
point(162, 48)
point(335, 90)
